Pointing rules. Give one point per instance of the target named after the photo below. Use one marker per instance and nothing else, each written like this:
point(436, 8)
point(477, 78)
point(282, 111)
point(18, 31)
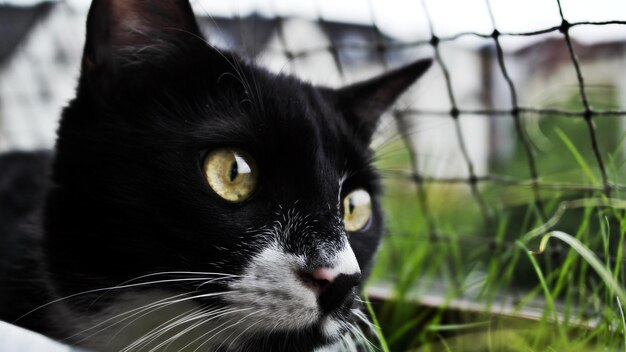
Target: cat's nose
point(324, 275)
point(334, 283)
point(332, 288)
point(338, 291)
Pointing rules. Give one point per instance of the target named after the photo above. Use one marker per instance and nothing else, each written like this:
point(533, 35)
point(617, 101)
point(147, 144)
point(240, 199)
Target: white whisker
point(156, 332)
point(228, 327)
point(133, 312)
point(211, 316)
point(167, 326)
point(125, 285)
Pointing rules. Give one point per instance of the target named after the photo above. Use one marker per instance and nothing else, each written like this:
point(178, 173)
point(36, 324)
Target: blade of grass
point(579, 158)
point(586, 254)
point(456, 327)
point(377, 329)
point(444, 343)
point(619, 304)
point(550, 308)
point(620, 249)
point(573, 204)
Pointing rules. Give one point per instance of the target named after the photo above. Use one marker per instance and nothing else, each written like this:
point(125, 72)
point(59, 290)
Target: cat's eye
point(231, 173)
point(357, 210)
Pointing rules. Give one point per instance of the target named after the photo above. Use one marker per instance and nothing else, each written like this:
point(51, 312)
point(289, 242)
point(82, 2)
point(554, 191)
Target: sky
point(405, 19)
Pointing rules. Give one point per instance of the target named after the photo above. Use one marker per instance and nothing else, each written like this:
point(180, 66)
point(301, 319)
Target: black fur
point(127, 196)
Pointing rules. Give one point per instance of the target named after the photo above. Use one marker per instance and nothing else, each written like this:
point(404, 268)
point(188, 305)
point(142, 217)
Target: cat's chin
point(279, 329)
point(273, 331)
point(328, 332)
point(249, 337)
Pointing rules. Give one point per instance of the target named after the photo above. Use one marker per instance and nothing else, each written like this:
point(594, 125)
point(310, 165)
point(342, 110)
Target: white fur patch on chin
point(331, 328)
point(334, 347)
point(270, 285)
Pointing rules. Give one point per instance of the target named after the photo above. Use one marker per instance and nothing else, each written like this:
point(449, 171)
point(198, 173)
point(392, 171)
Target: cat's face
point(242, 205)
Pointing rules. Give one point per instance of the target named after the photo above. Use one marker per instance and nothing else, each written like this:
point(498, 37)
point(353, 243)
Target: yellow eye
point(357, 210)
point(231, 173)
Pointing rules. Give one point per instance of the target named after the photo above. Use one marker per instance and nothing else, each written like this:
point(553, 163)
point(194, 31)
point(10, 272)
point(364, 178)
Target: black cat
point(193, 201)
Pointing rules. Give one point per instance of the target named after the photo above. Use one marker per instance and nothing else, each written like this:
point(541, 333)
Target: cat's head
point(243, 199)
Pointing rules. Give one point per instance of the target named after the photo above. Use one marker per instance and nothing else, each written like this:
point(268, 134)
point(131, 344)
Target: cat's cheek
point(271, 286)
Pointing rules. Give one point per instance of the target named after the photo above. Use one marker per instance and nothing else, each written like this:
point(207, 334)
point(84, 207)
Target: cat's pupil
point(234, 170)
point(351, 205)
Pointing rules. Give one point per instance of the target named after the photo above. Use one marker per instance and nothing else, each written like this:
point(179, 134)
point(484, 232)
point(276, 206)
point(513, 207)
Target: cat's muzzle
point(332, 290)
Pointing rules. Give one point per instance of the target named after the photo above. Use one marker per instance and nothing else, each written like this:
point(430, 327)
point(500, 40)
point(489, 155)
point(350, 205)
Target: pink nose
point(322, 278)
point(323, 274)
point(331, 287)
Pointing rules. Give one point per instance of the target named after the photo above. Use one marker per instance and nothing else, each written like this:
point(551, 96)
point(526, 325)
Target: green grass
point(527, 283)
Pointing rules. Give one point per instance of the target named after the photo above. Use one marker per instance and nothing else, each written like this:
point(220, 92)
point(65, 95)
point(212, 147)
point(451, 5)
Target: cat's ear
point(364, 102)
point(116, 28)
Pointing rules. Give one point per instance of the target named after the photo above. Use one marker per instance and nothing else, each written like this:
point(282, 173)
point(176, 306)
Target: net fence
point(516, 112)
